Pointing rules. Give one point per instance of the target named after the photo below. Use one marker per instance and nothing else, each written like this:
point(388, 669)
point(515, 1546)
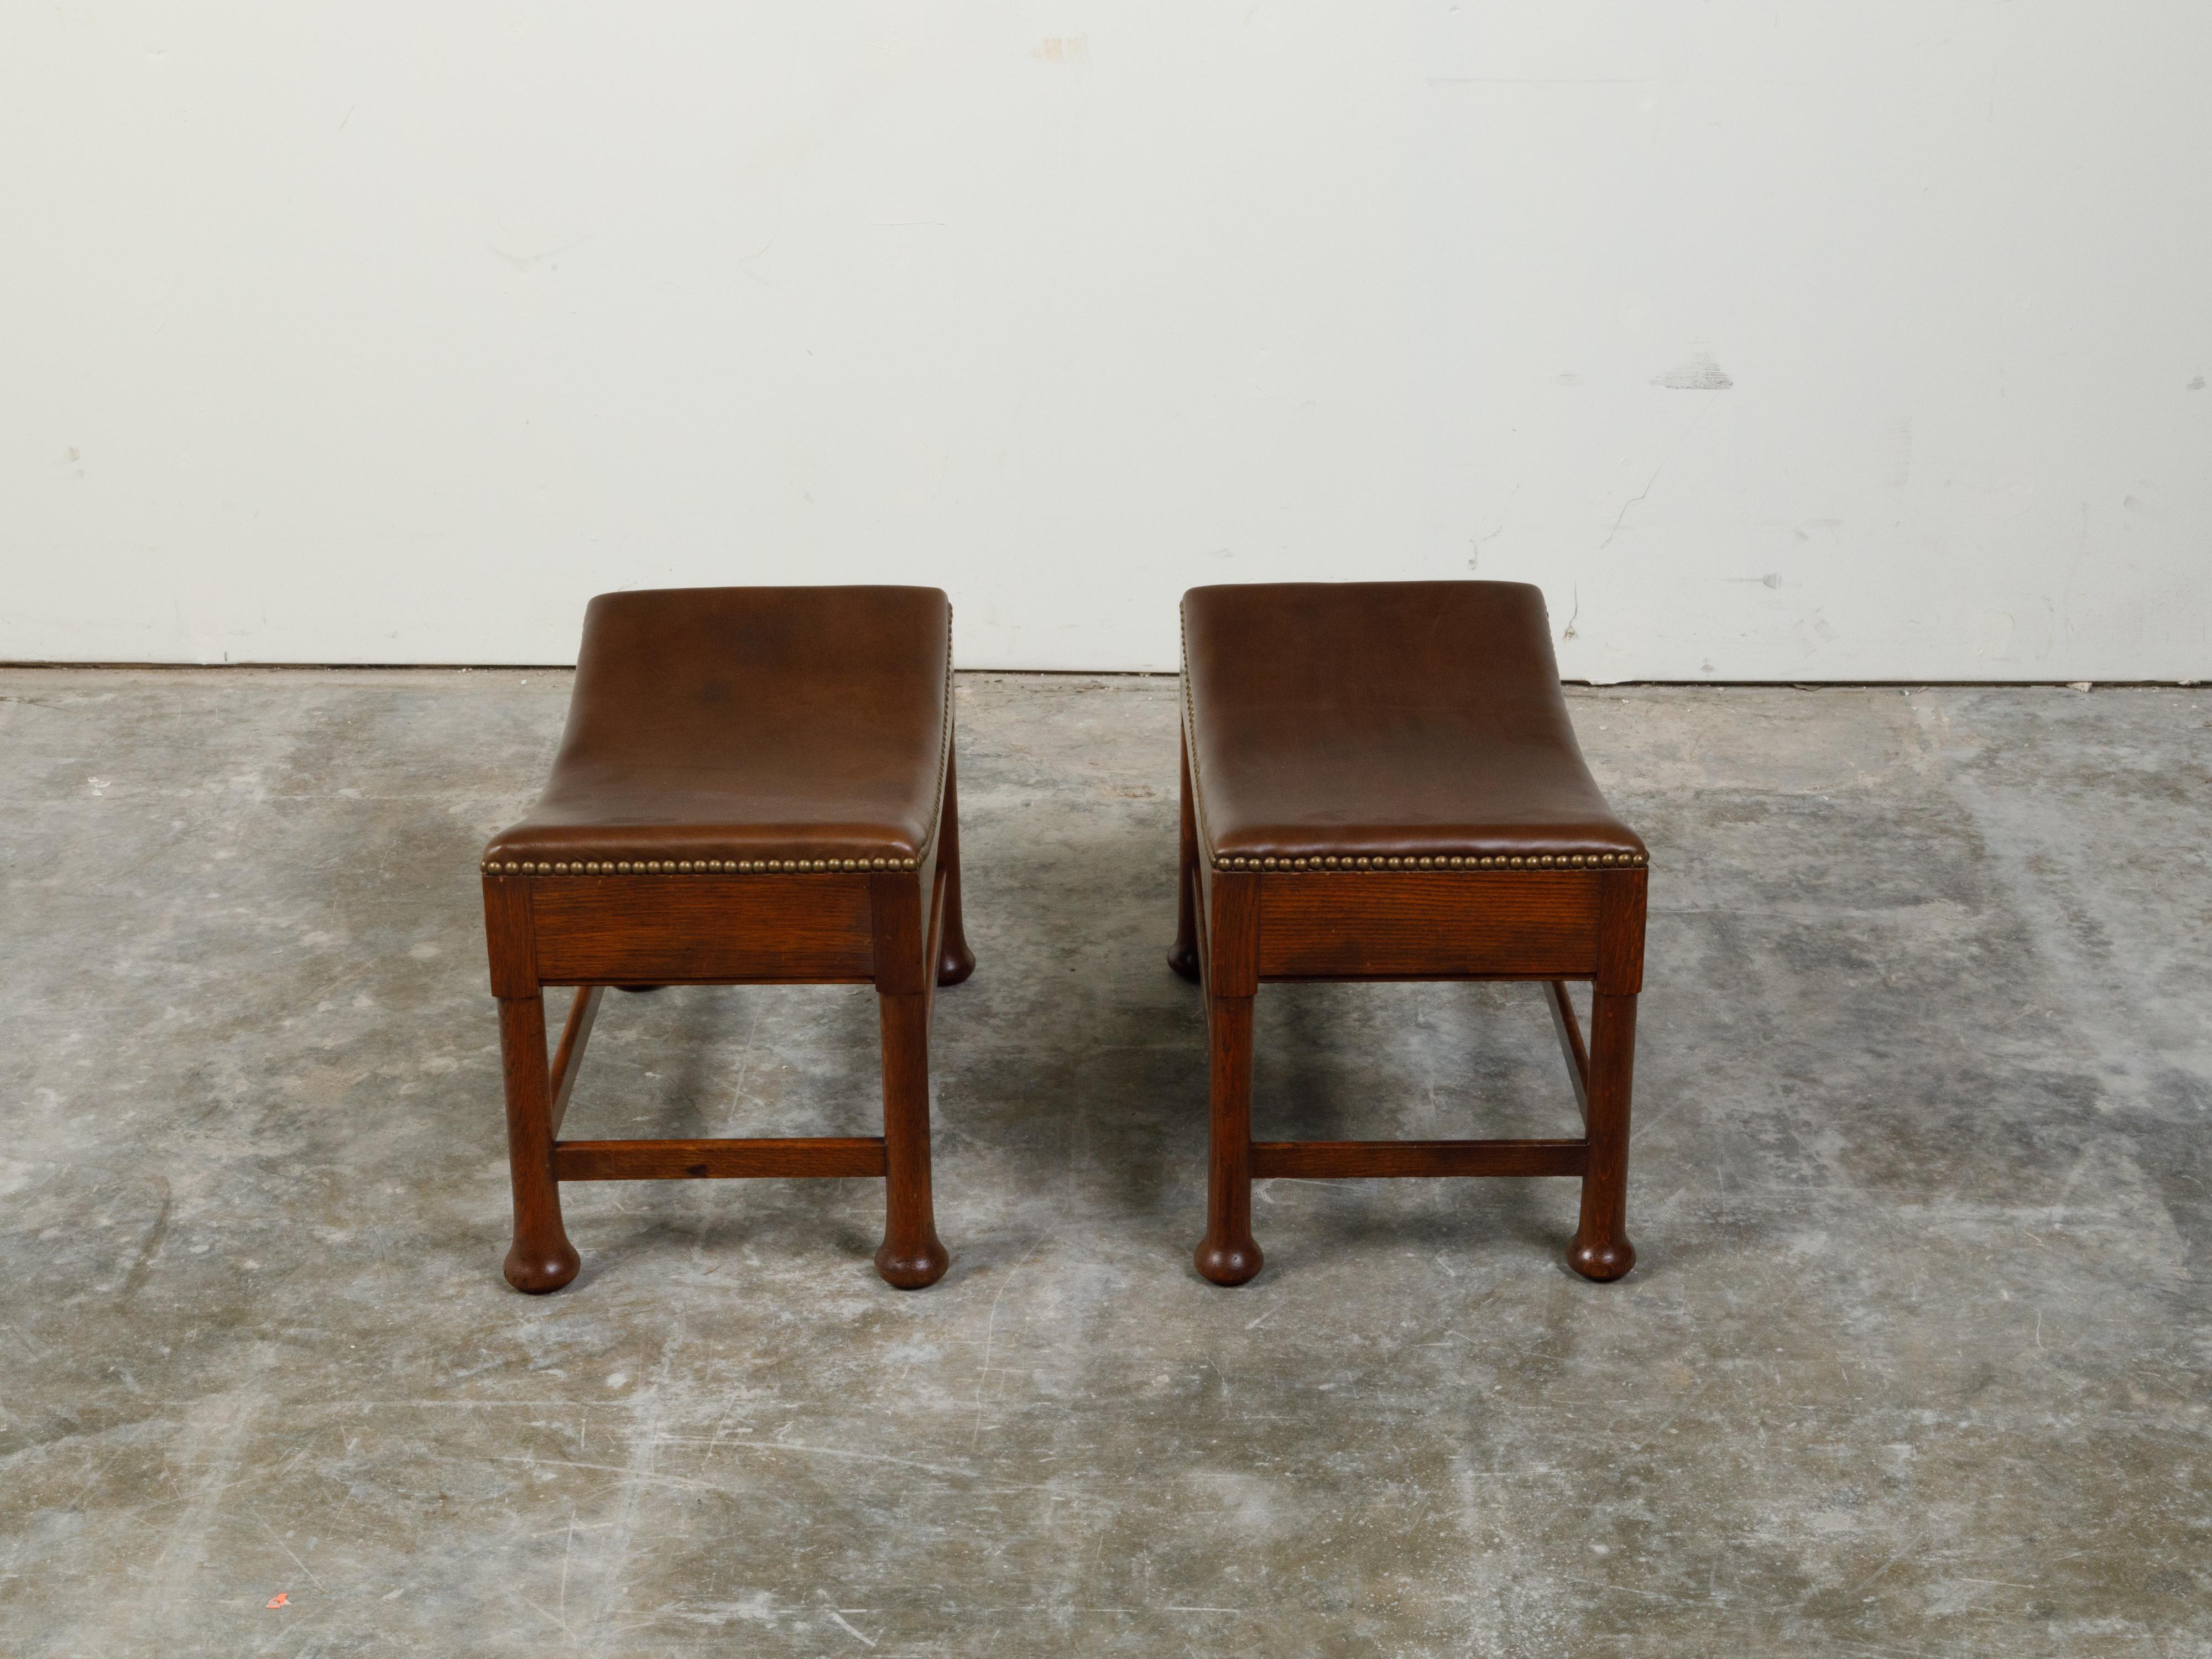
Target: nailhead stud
point(503, 866)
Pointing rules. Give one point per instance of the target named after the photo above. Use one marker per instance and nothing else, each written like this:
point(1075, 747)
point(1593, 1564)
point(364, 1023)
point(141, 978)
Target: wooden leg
point(1227, 1255)
point(955, 961)
point(911, 1256)
point(542, 1258)
point(1184, 958)
point(1600, 1249)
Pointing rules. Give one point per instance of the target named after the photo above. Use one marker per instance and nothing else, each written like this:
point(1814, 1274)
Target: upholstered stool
point(1380, 782)
point(755, 786)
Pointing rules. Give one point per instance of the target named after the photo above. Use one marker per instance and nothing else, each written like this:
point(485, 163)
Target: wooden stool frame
point(898, 930)
point(1553, 925)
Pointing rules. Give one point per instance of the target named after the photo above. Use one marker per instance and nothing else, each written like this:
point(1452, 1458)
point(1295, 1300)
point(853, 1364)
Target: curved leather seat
point(748, 729)
point(1386, 725)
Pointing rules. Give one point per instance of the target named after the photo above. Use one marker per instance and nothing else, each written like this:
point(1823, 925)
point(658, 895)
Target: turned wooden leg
point(542, 1258)
point(911, 1256)
point(1600, 1249)
point(955, 961)
point(1227, 1255)
point(1184, 958)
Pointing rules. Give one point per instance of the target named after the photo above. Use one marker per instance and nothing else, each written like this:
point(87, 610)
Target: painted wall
point(1812, 342)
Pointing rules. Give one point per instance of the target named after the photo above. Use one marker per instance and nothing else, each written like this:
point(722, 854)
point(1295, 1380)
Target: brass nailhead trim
point(695, 868)
point(1442, 861)
point(759, 867)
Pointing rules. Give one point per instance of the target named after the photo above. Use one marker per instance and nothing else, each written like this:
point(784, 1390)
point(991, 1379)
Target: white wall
point(390, 333)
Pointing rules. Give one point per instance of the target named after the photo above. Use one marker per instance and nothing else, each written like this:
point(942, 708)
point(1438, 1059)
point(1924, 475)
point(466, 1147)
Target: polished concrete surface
point(1915, 1361)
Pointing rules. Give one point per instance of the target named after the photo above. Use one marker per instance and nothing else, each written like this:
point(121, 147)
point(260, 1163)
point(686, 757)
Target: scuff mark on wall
point(1900, 455)
point(1063, 49)
point(524, 264)
point(1993, 631)
point(1698, 372)
point(1813, 632)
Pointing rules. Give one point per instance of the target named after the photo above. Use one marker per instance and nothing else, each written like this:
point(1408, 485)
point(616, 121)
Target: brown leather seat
point(748, 729)
point(1386, 725)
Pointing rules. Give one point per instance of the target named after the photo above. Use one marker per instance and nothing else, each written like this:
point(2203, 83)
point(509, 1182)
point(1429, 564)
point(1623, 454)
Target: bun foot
point(956, 963)
point(1228, 1264)
point(540, 1271)
point(1184, 960)
point(1602, 1263)
point(913, 1270)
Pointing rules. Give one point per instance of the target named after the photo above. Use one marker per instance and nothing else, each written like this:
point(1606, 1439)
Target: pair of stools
point(756, 786)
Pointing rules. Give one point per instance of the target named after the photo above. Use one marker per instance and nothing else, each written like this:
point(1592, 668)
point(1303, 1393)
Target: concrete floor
point(1915, 1361)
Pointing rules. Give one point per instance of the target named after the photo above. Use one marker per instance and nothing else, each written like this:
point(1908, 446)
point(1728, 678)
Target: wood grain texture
point(678, 1160)
point(1183, 956)
point(712, 930)
point(1232, 933)
point(896, 926)
point(1570, 1032)
point(1620, 931)
point(1536, 925)
point(955, 961)
point(1194, 884)
point(1317, 1160)
point(541, 1258)
point(568, 1057)
point(510, 938)
point(1601, 1249)
point(1554, 926)
point(1229, 1254)
point(911, 1255)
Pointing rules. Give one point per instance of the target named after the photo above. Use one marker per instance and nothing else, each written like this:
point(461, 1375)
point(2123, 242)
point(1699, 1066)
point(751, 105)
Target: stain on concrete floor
point(1914, 1360)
